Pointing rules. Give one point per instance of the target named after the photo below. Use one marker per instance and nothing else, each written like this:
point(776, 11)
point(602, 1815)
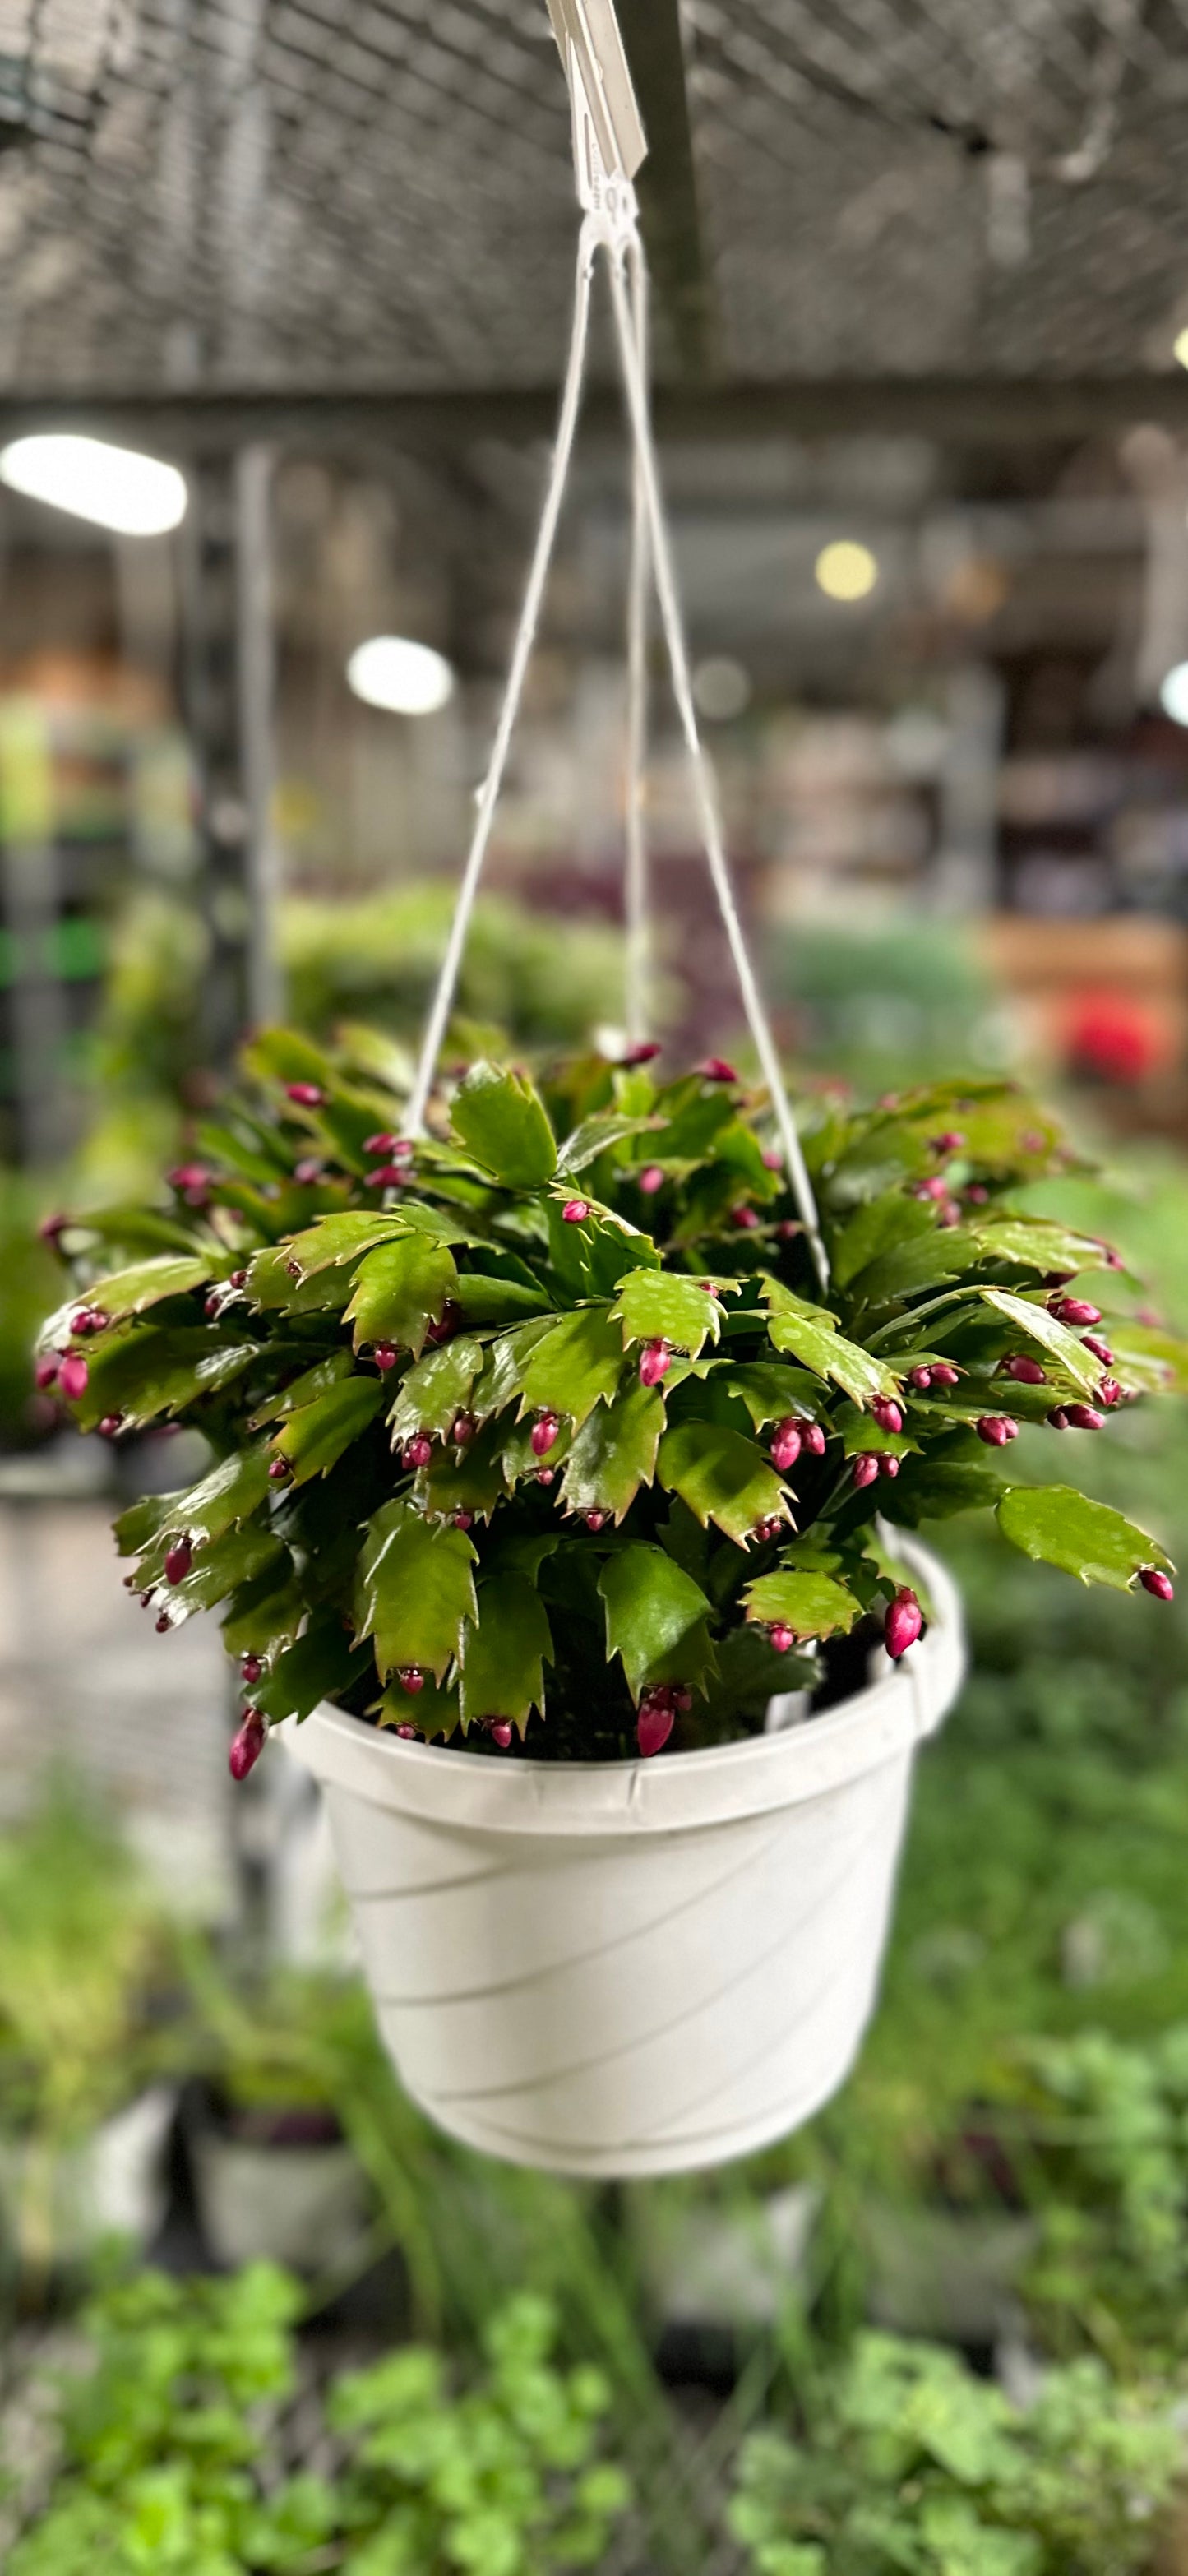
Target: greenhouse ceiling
point(889, 211)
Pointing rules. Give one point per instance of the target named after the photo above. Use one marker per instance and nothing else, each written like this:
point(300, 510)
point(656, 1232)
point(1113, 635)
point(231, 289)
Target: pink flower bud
point(1084, 1417)
point(650, 1179)
point(390, 1176)
point(501, 1733)
point(238, 1279)
point(418, 1451)
point(866, 1468)
point(546, 1475)
point(950, 1142)
point(409, 1733)
point(785, 1445)
point(1101, 1350)
point(886, 1413)
point(596, 1520)
point(46, 1372)
point(812, 1438)
point(716, 1069)
point(73, 1375)
point(771, 1526)
point(936, 1188)
point(655, 1361)
point(111, 1426)
point(903, 1623)
point(248, 1745)
point(888, 1464)
point(309, 1170)
point(544, 1434)
point(788, 1229)
point(1057, 1419)
point(411, 1678)
point(164, 1624)
point(179, 1559)
point(772, 1158)
point(386, 1357)
point(746, 1217)
point(280, 1471)
point(921, 1379)
point(977, 1194)
point(251, 1668)
point(1109, 1392)
point(1154, 1581)
point(188, 1176)
point(305, 1095)
point(1074, 1310)
point(462, 1520)
point(645, 1052)
point(1032, 1142)
point(781, 1637)
point(944, 1374)
point(447, 1323)
point(654, 1723)
point(384, 1143)
point(1026, 1372)
point(575, 1211)
point(996, 1429)
point(51, 1227)
point(462, 1430)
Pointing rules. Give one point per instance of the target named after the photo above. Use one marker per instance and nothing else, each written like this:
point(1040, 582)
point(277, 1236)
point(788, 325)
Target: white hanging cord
point(525, 638)
point(638, 979)
point(702, 774)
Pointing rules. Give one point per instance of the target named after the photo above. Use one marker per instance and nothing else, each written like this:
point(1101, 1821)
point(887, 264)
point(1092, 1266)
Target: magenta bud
point(921, 1379)
point(888, 1464)
point(501, 1733)
point(546, 1475)
point(280, 1471)
point(305, 1095)
point(1109, 1392)
point(903, 1623)
point(1057, 1419)
point(977, 1194)
point(773, 1160)
point(179, 1559)
point(111, 1426)
point(655, 1361)
point(771, 1526)
point(418, 1451)
point(645, 1051)
point(575, 1211)
point(886, 1413)
point(46, 1372)
point(1084, 1417)
point(388, 1145)
point(944, 1374)
point(785, 1445)
point(164, 1624)
point(1155, 1582)
point(251, 1669)
point(788, 1229)
point(936, 1188)
point(1101, 1350)
point(746, 1217)
point(386, 1357)
point(408, 1733)
point(308, 1170)
point(866, 1468)
point(781, 1637)
point(544, 1434)
point(716, 1069)
point(812, 1438)
point(238, 1279)
point(462, 1429)
point(188, 1176)
point(1026, 1372)
point(411, 1678)
point(950, 1142)
point(996, 1429)
point(596, 1520)
point(1074, 1310)
point(654, 1723)
point(248, 1745)
point(650, 1179)
point(390, 1176)
point(51, 1227)
point(73, 1376)
point(462, 1520)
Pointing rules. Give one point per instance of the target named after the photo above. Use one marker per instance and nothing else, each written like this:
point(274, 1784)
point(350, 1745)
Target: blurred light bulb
point(403, 677)
point(845, 570)
point(722, 688)
point(1173, 696)
point(114, 487)
point(1180, 347)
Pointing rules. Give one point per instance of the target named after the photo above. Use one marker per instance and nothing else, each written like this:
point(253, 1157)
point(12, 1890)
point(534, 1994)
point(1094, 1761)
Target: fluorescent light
point(1173, 696)
point(114, 487)
point(405, 678)
point(845, 570)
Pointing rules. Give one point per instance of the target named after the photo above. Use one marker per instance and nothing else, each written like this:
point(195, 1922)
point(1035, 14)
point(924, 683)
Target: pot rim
point(680, 1792)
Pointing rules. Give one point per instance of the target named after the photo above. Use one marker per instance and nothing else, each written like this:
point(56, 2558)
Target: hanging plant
point(540, 1434)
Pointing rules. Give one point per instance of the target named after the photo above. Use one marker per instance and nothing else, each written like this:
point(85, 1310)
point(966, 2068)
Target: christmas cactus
point(540, 1433)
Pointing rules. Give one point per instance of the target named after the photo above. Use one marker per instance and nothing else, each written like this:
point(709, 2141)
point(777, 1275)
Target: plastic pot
point(59, 2199)
point(632, 1968)
point(303, 2206)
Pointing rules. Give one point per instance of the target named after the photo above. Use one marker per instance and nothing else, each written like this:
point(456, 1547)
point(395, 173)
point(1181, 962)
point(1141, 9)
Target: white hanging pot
point(632, 1968)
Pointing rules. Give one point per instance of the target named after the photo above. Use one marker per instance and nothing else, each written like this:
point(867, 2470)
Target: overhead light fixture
point(114, 487)
point(1180, 347)
point(401, 676)
point(721, 688)
point(1173, 695)
point(845, 570)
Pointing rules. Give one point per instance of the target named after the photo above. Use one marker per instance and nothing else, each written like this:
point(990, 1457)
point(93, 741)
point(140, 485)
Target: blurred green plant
point(909, 2461)
point(899, 1004)
point(176, 2449)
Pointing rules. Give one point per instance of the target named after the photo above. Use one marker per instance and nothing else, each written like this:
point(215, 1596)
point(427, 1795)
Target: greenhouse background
point(284, 296)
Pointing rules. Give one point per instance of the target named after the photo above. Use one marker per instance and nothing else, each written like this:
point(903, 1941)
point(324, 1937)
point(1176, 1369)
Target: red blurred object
point(1112, 1037)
